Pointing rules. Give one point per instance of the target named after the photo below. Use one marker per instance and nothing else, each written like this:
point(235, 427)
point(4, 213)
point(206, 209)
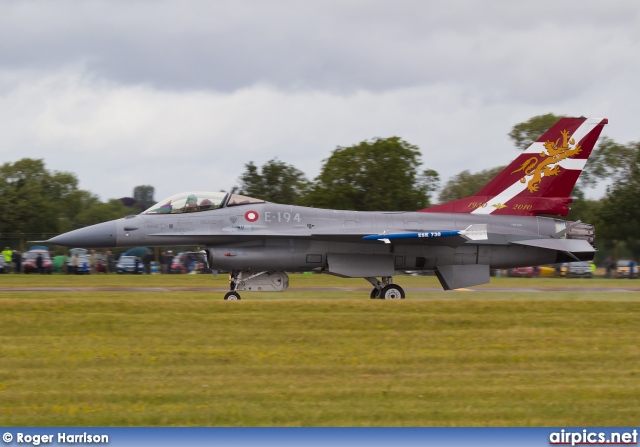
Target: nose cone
point(99, 235)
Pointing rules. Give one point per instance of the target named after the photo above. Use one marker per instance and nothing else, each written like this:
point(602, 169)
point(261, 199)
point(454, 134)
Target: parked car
point(580, 269)
point(522, 272)
point(4, 267)
point(547, 271)
point(127, 264)
point(29, 261)
point(623, 269)
point(552, 270)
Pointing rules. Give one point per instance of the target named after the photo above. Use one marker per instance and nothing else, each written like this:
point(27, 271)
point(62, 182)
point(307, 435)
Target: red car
point(523, 272)
point(29, 261)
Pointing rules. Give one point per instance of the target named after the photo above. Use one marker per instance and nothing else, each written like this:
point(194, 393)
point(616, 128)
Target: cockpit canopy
point(189, 202)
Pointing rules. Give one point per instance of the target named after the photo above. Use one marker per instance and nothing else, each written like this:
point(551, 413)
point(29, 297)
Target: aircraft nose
point(99, 235)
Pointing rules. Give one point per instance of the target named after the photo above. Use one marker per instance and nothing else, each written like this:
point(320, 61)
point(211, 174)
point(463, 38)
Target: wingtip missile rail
point(475, 232)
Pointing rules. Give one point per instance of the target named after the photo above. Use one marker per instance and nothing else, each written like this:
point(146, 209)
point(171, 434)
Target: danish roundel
point(251, 216)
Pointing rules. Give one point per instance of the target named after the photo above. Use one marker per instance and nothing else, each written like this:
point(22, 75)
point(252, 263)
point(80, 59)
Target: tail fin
point(541, 179)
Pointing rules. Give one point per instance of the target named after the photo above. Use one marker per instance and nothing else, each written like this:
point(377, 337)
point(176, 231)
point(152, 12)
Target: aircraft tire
point(392, 292)
point(375, 294)
point(232, 296)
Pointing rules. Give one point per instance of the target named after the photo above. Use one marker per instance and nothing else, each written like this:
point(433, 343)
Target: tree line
point(383, 174)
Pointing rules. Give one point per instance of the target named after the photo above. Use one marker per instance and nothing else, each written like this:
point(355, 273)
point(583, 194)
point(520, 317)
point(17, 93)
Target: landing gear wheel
point(375, 294)
point(232, 296)
point(392, 292)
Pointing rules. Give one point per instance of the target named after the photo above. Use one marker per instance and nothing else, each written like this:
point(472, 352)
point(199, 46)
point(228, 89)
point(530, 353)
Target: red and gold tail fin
point(541, 179)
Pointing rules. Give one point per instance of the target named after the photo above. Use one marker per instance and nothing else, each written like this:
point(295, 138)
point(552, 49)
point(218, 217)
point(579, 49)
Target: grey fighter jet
point(500, 227)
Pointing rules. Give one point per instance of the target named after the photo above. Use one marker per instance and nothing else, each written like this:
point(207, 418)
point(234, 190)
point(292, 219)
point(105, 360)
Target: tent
point(38, 247)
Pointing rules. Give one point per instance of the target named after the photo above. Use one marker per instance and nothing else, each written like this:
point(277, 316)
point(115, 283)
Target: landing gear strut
point(252, 281)
point(234, 279)
point(384, 289)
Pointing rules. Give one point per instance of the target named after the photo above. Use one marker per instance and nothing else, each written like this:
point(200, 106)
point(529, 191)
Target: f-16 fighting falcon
point(500, 227)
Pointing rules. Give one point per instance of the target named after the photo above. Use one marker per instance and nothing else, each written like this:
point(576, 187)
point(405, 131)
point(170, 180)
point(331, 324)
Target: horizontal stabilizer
point(472, 232)
point(567, 245)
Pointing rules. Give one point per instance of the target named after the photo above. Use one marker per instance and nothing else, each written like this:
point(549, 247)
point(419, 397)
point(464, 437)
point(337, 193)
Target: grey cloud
point(170, 85)
point(342, 46)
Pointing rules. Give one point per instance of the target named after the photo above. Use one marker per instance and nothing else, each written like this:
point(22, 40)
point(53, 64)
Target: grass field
point(552, 357)
point(296, 281)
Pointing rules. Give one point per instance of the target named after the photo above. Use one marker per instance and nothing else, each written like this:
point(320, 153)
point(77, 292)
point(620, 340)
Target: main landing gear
point(232, 296)
point(384, 289)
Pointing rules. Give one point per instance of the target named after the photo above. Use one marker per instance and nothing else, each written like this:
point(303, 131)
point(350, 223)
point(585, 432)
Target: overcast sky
point(181, 94)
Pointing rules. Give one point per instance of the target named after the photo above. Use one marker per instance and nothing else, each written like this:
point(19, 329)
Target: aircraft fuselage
point(460, 241)
point(293, 238)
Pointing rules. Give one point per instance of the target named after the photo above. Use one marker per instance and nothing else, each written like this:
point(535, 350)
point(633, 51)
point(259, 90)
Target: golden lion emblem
point(545, 168)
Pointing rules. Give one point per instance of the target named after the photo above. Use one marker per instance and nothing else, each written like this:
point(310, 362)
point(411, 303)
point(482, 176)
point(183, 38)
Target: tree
point(144, 195)
point(373, 175)
point(610, 161)
point(102, 212)
point(32, 199)
point(524, 134)
point(466, 184)
point(37, 201)
point(275, 181)
point(620, 208)
point(429, 181)
point(75, 203)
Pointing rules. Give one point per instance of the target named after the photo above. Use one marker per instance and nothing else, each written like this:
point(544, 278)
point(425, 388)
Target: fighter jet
point(461, 241)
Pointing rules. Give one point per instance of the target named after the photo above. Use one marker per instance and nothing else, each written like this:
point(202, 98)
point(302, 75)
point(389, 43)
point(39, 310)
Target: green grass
point(316, 358)
point(296, 281)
